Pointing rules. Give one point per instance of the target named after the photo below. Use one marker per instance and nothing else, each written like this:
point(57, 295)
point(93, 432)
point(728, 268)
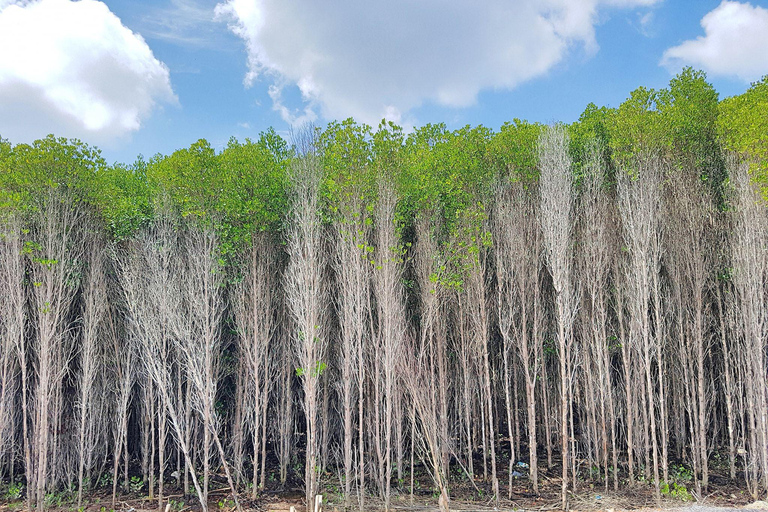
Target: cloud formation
point(187, 23)
point(375, 59)
point(73, 69)
point(735, 43)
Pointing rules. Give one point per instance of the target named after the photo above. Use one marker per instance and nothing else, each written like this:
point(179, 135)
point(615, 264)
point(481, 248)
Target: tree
point(346, 154)
point(122, 369)
point(390, 328)
point(54, 255)
point(749, 271)
point(253, 307)
point(517, 248)
point(305, 294)
point(149, 273)
point(13, 352)
point(691, 265)
point(197, 339)
point(422, 389)
point(91, 355)
point(596, 234)
point(556, 209)
point(639, 203)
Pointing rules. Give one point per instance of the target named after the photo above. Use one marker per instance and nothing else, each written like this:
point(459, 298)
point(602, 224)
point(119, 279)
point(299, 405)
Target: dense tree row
point(358, 303)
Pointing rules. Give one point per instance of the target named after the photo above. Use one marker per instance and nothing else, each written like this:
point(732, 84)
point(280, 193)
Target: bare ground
point(723, 495)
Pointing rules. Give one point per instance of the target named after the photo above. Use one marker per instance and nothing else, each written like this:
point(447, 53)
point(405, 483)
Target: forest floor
point(722, 495)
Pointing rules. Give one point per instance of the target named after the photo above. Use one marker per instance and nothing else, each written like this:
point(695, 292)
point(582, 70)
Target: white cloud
point(645, 23)
point(73, 69)
point(735, 43)
point(182, 22)
point(376, 58)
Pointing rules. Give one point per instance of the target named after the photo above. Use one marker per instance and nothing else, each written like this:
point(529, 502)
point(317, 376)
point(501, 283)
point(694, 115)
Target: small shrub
point(105, 480)
point(226, 504)
point(136, 484)
point(52, 499)
point(680, 473)
point(677, 491)
point(14, 491)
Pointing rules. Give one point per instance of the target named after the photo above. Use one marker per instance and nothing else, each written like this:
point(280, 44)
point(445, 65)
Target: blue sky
point(144, 77)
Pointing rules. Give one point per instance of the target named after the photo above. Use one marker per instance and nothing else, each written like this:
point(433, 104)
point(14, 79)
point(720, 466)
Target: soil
point(722, 495)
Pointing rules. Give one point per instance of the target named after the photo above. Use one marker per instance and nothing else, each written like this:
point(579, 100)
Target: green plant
point(14, 491)
point(681, 473)
point(52, 499)
point(676, 491)
point(226, 504)
point(136, 484)
point(105, 480)
point(317, 371)
point(176, 505)
point(332, 489)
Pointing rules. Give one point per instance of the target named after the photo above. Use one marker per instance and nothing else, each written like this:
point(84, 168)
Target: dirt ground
point(466, 496)
point(276, 504)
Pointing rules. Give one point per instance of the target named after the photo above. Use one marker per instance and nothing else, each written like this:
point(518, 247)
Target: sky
point(144, 77)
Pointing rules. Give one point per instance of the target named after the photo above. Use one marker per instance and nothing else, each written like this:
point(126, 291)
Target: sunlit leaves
point(742, 127)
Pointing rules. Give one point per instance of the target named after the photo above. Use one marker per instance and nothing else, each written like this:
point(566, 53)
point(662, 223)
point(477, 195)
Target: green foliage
point(742, 127)
point(636, 127)
point(677, 124)
point(123, 198)
point(239, 192)
point(317, 370)
point(226, 504)
point(513, 151)
point(681, 473)
point(387, 149)
point(345, 156)
point(464, 250)
point(254, 181)
point(444, 175)
point(444, 171)
point(676, 491)
point(57, 499)
point(28, 172)
point(189, 177)
point(417, 184)
point(14, 491)
point(105, 480)
point(689, 110)
point(592, 127)
point(136, 484)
